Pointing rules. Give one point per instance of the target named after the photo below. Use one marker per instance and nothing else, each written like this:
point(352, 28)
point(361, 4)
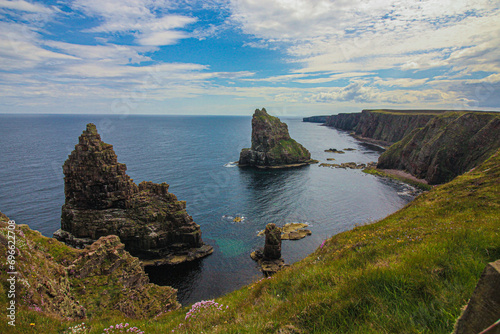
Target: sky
point(228, 57)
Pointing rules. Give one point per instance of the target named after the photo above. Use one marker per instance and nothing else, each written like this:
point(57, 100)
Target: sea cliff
point(387, 126)
point(435, 145)
point(447, 146)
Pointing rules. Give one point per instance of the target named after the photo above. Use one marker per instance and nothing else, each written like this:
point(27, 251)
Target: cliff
point(272, 146)
point(61, 282)
point(447, 146)
point(315, 119)
point(101, 200)
point(388, 126)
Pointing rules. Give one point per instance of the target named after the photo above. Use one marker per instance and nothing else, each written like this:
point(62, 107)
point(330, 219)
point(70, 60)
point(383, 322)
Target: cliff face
point(101, 200)
point(61, 281)
point(272, 145)
point(315, 119)
point(447, 146)
point(384, 125)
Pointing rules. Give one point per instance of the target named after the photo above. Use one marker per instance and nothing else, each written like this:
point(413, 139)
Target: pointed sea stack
point(101, 199)
point(272, 146)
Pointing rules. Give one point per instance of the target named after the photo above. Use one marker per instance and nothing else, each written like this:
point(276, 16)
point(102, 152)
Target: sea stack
point(270, 260)
point(101, 199)
point(272, 146)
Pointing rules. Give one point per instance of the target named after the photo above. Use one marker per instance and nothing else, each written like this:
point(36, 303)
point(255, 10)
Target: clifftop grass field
point(411, 272)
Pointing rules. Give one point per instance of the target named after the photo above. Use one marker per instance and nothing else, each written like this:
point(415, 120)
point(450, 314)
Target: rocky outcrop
point(272, 247)
point(315, 119)
point(483, 309)
point(447, 146)
point(67, 283)
point(272, 146)
point(101, 200)
point(106, 260)
point(294, 231)
point(270, 260)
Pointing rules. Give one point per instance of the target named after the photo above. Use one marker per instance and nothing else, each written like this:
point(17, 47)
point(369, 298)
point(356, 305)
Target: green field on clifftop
point(411, 272)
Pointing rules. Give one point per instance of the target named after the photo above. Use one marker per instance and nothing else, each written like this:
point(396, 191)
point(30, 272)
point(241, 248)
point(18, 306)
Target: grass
point(411, 272)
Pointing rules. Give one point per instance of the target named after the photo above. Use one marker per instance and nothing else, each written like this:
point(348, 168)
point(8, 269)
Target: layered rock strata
point(447, 146)
point(272, 146)
point(384, 126)
point(101, 199)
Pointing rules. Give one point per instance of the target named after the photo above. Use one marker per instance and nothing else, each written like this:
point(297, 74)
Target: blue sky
point(294, 57)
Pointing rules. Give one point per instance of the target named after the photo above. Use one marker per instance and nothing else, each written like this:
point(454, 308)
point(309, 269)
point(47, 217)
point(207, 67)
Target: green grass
point(411, 272)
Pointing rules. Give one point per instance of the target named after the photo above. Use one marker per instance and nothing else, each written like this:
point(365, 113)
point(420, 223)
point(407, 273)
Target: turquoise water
point(192, 154)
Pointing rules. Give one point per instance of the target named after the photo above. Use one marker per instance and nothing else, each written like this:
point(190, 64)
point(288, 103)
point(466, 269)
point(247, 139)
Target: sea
point(195, 155)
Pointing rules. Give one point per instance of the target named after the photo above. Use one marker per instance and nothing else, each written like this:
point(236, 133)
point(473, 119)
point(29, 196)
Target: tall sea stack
point(101, 199)
point(272, 146)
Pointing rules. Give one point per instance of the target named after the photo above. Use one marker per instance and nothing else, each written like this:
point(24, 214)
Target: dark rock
point(101, 200)
point(272, 247)
point(334, 150)
point(270, 260)
point(272, 146)
point(483, 309)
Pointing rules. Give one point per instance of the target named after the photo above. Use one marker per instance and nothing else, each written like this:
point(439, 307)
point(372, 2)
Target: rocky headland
point(67, 283)
point(272, 146)
point(435, 145)
point(101, 200)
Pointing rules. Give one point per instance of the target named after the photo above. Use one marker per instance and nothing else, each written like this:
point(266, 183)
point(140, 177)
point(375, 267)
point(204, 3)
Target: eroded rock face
point(272, 145)
point(446, 146)
point(101, 200)
point(106, 260)
point(483, 309)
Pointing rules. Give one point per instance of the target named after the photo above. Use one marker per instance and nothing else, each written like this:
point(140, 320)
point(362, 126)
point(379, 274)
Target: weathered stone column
point(272, 247)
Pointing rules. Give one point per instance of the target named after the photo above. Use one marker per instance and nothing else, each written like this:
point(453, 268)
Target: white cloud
point(24, 6)
point(346, 36)
point(149, 20)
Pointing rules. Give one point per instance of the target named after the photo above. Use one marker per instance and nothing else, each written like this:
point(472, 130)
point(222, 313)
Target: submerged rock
point(101, 199)
point(334, 150)
point(272, 146)
point(294, 231)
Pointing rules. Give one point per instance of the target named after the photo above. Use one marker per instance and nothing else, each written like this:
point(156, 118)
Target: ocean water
point(194, 154)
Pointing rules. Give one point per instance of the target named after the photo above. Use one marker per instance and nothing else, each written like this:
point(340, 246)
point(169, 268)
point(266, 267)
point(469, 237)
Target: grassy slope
point(412, 272)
